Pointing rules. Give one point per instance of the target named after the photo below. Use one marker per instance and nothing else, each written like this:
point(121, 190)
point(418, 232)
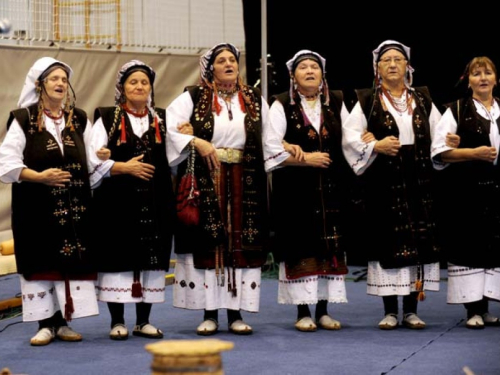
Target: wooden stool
point(188, 357)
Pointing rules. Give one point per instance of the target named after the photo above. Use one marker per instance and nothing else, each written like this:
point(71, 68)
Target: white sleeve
point(12, 154)
point(446, 124)
point(344, 113)
point(359, 155)
point(265, 112)
point(434, 116)
point(97, 138)
point(273, 133)
point(178, 112)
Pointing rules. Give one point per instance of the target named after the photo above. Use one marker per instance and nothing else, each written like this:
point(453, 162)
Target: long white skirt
point(467, 284)
point(197, 289)
point(399, 281)
point(309, 290)
point(117, 287)
point(42, 299)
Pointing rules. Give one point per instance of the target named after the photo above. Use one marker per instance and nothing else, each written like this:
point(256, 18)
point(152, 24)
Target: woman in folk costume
point(471, 224)
point(219, 260)
point(387, 139)
point(132, 192)
point(43, 155)
point(310, 184)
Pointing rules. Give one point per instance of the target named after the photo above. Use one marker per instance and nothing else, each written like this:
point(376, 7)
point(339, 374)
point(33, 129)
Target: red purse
point(188, 195)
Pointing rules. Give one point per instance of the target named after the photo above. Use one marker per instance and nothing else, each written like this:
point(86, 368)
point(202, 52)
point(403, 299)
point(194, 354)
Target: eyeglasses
point(388, 60)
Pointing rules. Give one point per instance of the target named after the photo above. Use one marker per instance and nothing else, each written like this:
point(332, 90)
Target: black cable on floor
point(423, 346)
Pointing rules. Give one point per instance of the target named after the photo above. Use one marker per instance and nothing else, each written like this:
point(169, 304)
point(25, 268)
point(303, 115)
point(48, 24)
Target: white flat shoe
point(306, 324)
point(490, 320)
point(149, 331)
point(389, 322)
point(239, 327)
point(412, 321)
point(326, 322)
point(43, 337)
point(118, 332)
point(207, 328)
point(65, 333)
point(476, 322)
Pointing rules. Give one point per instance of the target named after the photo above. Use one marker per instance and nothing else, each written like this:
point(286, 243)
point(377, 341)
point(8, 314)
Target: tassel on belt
point(230, 155)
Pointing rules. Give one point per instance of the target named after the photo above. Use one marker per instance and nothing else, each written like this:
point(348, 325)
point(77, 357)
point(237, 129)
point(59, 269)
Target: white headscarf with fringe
point(127, 69)
point(207, 60)
point(29, 95)
point(302, 55)
point(386, 46)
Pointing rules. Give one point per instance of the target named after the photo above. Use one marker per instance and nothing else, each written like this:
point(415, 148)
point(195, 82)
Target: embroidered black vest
point(309, 204)
point(399, 193)
point(255, 227)
point(51, 224)
point(141, 211)
point(471, 195)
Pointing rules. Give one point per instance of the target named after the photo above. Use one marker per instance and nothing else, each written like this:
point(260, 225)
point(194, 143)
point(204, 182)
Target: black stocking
point(233, 315)
point(390, 305)
point(321, 309)
point(142, 311)
point(303, 311)
point(410, 303)
point(117, 311)
point(476, 308)
point(55, 321)
point(211, 315)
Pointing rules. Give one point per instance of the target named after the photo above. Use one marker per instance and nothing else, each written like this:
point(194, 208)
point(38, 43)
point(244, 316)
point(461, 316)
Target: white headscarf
point(29, 95)
point(126, 70)
point(303, 55)
point(207, 60)
point(393, 44)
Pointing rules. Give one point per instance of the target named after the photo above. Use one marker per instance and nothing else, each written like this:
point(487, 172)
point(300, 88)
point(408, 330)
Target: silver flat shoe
point(149, 331)
point(118, 332)
point(306, 324)
point(239, 327)
point(490, 320)
point(412, 321)
point(207, 328)
point(389, 322)
point(326, 322)
point(66, 333)
point(475, 322)
point(43, 337)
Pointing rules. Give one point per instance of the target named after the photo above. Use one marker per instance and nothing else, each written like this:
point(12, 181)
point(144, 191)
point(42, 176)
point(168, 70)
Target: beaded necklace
point(402, 104)
point(57, 119)
point(135, 113)
point(227, 93)
point(145, 112)
point(310, 97)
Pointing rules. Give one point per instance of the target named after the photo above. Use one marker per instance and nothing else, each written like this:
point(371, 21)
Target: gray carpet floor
point(445, 346)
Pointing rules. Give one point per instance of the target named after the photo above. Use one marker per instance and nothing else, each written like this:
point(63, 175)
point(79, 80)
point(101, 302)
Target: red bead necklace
point(135, 113)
